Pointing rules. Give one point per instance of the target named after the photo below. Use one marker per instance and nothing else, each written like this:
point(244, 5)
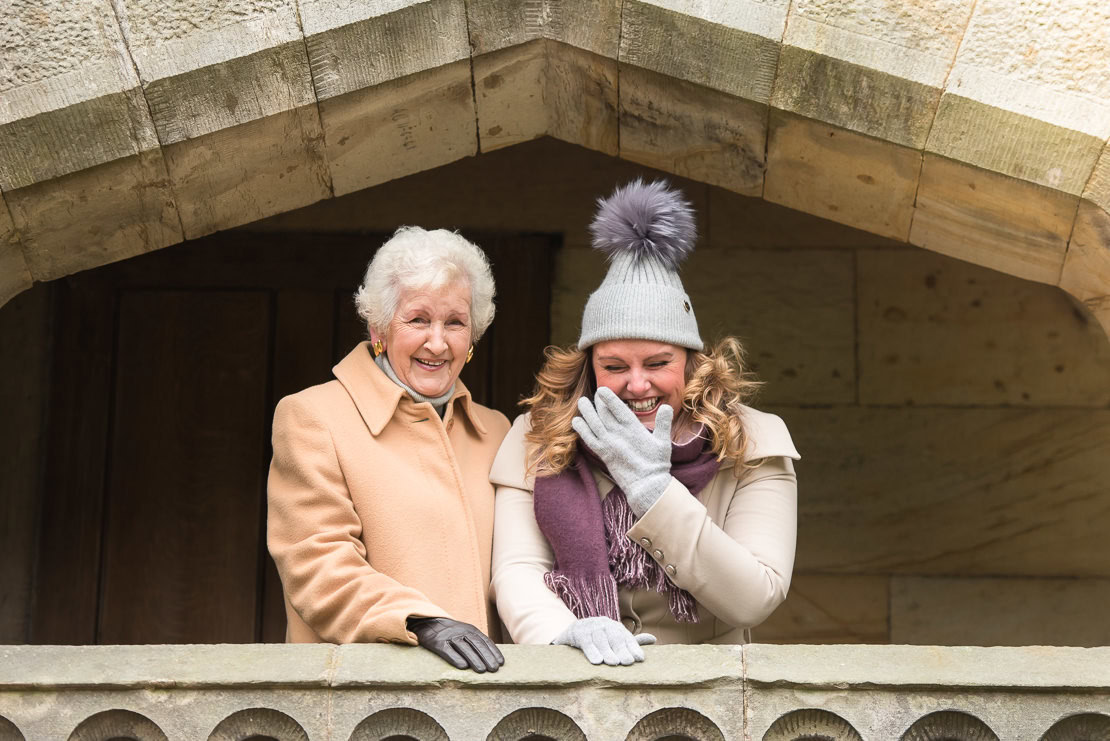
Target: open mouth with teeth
point(643, 406)
point(430, 364)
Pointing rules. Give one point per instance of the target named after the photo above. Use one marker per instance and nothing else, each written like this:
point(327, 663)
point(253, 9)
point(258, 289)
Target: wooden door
point(167, 368)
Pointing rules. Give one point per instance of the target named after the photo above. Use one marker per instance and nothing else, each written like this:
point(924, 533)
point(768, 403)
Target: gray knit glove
point(637, 459)
point(605, 640)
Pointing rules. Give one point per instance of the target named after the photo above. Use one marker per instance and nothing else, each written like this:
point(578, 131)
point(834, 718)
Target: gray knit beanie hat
point(646, 230)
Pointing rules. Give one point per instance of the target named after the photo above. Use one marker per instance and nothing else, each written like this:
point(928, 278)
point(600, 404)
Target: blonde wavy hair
point(717, 384)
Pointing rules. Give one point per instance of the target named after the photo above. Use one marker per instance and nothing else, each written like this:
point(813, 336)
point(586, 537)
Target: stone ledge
point(251, 666)
point(348, 666)
point(339, 693)
point(934, 667)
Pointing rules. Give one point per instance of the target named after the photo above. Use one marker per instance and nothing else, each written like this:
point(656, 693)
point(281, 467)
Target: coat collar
point(377, 397)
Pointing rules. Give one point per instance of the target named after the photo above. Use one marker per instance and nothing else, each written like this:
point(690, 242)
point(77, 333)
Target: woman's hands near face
point(604, 640)
point(459, 644)
point(639, 460)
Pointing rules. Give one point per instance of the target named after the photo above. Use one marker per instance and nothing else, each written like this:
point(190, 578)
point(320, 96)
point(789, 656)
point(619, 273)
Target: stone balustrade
point(362, 692)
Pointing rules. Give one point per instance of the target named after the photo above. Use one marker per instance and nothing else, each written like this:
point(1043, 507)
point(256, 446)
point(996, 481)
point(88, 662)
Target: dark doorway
point(166, 371)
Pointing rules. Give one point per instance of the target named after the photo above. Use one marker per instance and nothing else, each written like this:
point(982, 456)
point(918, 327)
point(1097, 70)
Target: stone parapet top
point(1003, 668)
point(1032, 668)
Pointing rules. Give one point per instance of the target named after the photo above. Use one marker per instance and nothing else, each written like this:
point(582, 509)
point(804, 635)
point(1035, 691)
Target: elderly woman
point(640, 499)
point(380, 506)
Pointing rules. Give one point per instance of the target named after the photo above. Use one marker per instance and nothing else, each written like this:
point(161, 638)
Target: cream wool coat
point(732, 547)
point(378, 509)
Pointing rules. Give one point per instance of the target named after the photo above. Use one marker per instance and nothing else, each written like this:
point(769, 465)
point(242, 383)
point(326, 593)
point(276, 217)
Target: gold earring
point(377, 348)
point(470, 354)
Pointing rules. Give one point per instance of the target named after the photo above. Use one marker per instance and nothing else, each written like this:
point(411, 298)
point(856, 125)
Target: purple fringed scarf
point(593, 556)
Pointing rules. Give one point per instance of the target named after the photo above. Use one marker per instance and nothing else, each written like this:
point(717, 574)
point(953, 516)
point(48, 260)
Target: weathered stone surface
point(75, 138)
point(873, 67)
point(854, 97)
point(45, 715)
point(739, 221)
point(1015, 693)
point(692, 131)
point(1098, 187)
point(119, 667)
point(106, 213)
point(841, 175)
point(69, 96)
point(545, 88)
point(244, 173)
point(1021, 146)
point(1000, 612)
point(14, 275)
point(366, 665)
point(399, 128)
point(1028, 94)
point(586, 24)
point(933, 330)
point(1086, 273)
point(1039, 667)
point(231, 95)
point(793, 311)
point(208, 66)
point(975, 491)
point(824, 608)
point(79, 156)
point(1041, 45)
point(992, 220)
point(692, 691)
point(730, 47)
point(355, 46)
point(25, 368)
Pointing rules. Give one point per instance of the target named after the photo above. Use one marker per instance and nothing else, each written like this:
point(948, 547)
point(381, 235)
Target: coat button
point(645, 542)
point(670, 569)
point(657, 553)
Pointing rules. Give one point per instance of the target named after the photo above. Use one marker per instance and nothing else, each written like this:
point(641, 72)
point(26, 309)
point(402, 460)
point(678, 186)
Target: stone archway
point(974, 129)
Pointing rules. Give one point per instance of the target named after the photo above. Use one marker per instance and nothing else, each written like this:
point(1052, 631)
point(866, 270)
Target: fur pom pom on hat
point(646, 230)
point(646, 220)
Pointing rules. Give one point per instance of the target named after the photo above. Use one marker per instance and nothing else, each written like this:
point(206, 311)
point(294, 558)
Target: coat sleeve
point(738, 569)
point(313, 533)
point(531, 612)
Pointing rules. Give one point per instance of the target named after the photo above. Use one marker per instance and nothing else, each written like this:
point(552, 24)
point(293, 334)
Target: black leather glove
point(459, 644)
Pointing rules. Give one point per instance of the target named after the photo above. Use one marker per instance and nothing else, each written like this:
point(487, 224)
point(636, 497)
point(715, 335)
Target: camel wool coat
point(378, 509)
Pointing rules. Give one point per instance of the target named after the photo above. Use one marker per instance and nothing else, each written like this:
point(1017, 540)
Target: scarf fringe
point(631, 565)
point(586, 595)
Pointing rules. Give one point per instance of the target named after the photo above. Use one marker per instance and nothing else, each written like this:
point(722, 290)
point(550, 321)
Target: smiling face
point(643, 373)
point(429, 336)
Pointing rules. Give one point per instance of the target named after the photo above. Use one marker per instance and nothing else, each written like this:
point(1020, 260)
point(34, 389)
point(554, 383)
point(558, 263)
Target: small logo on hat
point(686, 305)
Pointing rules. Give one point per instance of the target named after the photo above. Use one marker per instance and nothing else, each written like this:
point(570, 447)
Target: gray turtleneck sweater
point(439, 403)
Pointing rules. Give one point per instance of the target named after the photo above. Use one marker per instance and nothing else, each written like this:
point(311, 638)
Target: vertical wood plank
point(181, 548)
point(349, 328)
point(65, 599)
point(25, 363)
point(476, 373)
point(303, 338)
point(522, 267)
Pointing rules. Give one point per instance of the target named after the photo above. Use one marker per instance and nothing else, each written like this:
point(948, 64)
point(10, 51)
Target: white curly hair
point(414, 259)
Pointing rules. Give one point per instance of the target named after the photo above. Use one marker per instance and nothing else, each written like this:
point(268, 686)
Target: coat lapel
point(376, 397)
